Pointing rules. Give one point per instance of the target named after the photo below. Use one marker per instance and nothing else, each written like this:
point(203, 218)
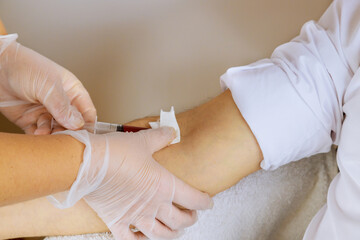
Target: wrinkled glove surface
point(122, 182)
point(34, 88)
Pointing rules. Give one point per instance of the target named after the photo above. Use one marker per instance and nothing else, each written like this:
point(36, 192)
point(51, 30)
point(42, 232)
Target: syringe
point(103, 127)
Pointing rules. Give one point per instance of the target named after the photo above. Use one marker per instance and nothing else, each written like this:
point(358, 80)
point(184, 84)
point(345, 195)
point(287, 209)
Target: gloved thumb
point(159, 138)
point(58, 104)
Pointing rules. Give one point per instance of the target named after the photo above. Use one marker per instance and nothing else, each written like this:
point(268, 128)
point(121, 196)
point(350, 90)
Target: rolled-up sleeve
point(293, 101)
point(340, 217)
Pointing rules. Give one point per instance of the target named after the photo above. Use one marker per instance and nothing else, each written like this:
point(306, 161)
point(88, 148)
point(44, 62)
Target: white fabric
point(265, 205)
point(340, 217)
point(168, 119)
point(294, 104)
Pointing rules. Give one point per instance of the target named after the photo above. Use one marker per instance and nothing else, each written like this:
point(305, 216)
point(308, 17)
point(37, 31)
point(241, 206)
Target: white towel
point(265, 205)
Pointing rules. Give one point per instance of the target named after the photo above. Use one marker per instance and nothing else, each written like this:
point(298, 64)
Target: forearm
point(34, 166)
point(217, 149)
point(39, 217)
point(2, 28)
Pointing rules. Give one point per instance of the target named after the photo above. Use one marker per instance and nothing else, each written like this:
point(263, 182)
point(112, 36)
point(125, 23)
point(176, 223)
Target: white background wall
point(137, 56)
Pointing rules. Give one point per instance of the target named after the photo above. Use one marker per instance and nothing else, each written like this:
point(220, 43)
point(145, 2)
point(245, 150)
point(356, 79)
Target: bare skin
point(2, 28)
point(217, 149)
point(34, 166)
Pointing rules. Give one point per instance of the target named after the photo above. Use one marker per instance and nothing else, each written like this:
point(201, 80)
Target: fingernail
point(77, 120)
point(211, 205)
point(37, 132)
point(170, 131)
point(173, 136)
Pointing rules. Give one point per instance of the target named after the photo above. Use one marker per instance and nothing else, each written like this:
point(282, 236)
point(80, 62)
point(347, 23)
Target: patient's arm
point(2, 28)
point(217, 149)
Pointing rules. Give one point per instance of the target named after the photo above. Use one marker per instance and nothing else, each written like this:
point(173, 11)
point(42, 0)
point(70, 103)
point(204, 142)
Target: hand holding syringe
point(103, 127)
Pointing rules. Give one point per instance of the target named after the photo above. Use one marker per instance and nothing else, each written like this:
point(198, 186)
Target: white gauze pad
point(168, 119)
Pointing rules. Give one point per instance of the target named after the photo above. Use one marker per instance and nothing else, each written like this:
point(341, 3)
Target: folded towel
point(265, 205)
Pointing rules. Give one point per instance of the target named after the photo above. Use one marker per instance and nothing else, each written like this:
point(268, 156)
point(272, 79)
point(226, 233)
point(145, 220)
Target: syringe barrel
point(97, 127)
point(102, 127)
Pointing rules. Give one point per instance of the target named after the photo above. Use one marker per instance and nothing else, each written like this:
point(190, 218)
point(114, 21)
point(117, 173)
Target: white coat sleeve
point(293, 101)
point(340, 217)
point(294, 104)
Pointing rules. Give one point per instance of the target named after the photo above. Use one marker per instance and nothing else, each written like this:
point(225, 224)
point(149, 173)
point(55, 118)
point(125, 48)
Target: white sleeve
point(293, 101)
point(340, 217)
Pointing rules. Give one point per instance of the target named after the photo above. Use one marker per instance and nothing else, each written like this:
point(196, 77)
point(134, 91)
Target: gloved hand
point(121, 181)
point(32, 88)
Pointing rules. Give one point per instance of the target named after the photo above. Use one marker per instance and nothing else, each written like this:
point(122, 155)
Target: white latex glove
point(121, 181)
point(34, 88)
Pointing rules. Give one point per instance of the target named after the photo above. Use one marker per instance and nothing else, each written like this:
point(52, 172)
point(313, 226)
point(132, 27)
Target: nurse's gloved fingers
point(89, 115)
point(154, 229)
point(190, 198)
point(28, 114)
point(44, 124)
point(58, 129)
point(79, 96)
point(123, 232)
point(30, 129)
point(175, 218)
point(159, 138)
point(58, 104)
